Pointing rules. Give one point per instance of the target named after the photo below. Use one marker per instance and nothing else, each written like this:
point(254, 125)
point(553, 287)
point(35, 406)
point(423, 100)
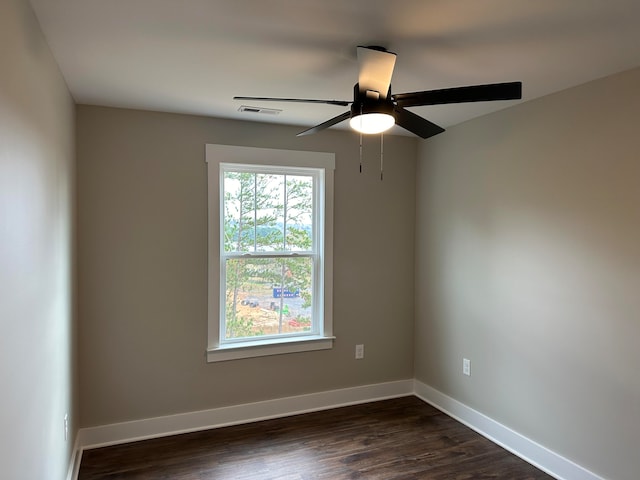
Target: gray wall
point(36, 232)
point(528, 263)
point(142, 259)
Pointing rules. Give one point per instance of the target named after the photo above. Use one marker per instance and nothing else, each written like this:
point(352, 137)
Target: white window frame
point(216, 157)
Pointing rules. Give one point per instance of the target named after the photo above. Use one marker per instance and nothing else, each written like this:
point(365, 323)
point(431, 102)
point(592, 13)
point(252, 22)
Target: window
point(270, 251)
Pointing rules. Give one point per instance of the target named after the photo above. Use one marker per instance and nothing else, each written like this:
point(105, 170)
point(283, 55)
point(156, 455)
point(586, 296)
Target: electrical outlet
point(359, 352)
point(66, 426)
point(466, 366)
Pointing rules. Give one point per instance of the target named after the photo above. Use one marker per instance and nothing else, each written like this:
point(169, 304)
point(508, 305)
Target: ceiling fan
point(374, 109)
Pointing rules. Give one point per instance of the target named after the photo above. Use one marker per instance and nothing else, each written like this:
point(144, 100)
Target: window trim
point(215, 155)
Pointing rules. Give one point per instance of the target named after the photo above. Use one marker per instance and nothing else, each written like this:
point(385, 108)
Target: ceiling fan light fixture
point(372, 122)
point(372, 111)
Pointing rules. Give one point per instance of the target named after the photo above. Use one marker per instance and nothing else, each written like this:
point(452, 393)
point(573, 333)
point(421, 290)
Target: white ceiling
point(193, 56)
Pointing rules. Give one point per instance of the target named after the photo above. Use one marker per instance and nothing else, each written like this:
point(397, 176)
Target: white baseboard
point(530, 451)
point(104, 435)
point(74, 461)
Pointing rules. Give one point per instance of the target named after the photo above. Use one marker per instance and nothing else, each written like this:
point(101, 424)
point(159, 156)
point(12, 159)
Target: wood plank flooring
point(402, 438)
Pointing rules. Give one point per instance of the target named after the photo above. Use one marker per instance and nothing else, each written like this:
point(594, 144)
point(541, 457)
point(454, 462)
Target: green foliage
point(241, 327)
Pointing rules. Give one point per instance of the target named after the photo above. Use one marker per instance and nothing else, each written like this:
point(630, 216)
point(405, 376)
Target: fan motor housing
point(371, 106)
point(364, 103)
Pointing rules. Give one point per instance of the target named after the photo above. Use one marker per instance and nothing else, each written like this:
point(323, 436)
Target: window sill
point(268, 347)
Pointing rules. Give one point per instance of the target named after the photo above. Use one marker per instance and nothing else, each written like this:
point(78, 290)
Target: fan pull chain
point(360, 152)
point(381, 154)
point(361, 140)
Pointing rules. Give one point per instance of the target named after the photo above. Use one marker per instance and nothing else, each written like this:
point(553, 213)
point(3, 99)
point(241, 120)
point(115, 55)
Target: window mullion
point(268, 254)
point(284, 233)
point(255, 212)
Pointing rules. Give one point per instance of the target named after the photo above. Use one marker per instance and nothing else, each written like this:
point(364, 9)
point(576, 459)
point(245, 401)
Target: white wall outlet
point(359, 352)
point(66, 426)
point(466, 366)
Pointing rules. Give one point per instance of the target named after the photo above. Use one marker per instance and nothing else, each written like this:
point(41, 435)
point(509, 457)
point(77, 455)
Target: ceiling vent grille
point(265, 111)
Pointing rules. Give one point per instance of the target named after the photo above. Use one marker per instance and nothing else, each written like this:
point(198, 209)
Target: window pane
point(268, 296)
point(299, 213)
point(260, 210)
point(269, 212)
point(239, 207)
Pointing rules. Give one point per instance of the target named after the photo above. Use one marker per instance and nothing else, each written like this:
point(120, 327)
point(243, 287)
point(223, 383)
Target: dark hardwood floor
point(402, 438)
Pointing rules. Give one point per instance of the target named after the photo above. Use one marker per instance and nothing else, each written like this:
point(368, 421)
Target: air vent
point(265, 111)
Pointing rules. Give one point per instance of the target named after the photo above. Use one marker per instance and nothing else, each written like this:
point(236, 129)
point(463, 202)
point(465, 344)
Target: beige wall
point(142, 236)
point(528, 261)
point(36, 231)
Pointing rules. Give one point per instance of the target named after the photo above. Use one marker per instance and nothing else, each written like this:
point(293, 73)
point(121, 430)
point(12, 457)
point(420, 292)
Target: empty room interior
point(481, 257)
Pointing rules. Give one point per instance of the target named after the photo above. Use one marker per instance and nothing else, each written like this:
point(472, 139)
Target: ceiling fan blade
point(474, 93)
point(327, 124)
point(375, 68)
point(342, 103)
point(415, 123)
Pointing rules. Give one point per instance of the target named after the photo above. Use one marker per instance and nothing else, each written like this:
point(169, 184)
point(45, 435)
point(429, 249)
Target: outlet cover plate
point(466, 366)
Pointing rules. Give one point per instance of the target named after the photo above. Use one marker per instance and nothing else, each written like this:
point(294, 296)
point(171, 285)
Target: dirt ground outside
point(264, 311)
